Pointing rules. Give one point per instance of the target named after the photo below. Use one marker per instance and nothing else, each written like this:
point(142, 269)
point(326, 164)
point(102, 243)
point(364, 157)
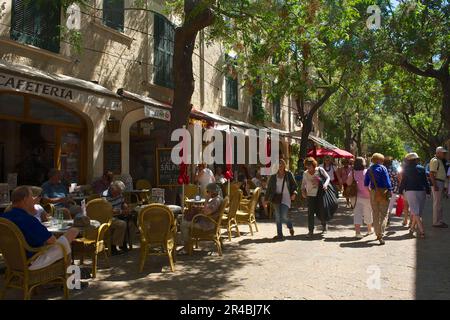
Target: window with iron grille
point(276, 111)
point(164, 35)
point(36, 23)
point(114, 14)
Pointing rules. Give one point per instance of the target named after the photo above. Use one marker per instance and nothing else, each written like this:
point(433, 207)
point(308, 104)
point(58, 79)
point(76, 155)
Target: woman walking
point(332, 172)
point(377, 177)
point(281, 191)
point(311, 183)
point(362, 210)
point(416, 187)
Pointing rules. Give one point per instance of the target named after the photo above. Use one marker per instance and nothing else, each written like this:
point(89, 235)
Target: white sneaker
point(359, 236)
point(368, 233)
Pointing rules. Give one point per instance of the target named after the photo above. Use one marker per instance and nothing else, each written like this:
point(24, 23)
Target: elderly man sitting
point(114, 195)
point(36, 235)
point(211, 208)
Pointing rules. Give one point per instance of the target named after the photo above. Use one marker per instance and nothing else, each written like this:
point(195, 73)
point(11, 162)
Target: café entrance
point(38, 135)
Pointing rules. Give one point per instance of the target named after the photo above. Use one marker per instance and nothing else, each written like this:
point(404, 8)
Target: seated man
point(34, 232)
point(211, 208)
point(56, 193)
point(118, 227)
point(100, 185)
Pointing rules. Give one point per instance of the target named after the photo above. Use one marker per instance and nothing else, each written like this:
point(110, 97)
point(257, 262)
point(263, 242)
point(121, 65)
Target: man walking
point(437, 178)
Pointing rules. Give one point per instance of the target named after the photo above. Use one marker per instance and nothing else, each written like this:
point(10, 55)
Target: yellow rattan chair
point(229, 219)
point(13, 247)
point(91, 245)
point(94, 240)
point(247, 216)
point(196, 235)
point(158, 231)
point(143, 184)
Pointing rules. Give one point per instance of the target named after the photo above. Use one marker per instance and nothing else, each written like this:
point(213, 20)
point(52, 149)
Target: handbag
point(351, 190)
point(278, 197)
point(381, 194)
point(400, 206)
point(329, 199)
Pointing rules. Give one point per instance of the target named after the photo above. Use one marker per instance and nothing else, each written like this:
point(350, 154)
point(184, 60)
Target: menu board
point(167, 171)
point(112, 157)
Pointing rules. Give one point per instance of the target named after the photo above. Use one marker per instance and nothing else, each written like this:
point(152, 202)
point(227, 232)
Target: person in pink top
point(362, 210)
point(342, 175)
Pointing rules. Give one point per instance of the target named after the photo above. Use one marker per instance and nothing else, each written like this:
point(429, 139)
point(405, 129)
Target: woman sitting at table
point(211, 208)
point(114, 195)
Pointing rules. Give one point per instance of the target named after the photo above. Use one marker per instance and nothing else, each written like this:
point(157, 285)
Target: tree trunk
point(306, 130)
point(348, 134)
point(197, 16)
point(359, 141)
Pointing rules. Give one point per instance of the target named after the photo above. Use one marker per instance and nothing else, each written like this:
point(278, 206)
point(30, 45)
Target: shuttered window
point(36, 23)
point(164, 32)
point(276, 116)
point(231, 88)
point(114, 14)
point(257, 102)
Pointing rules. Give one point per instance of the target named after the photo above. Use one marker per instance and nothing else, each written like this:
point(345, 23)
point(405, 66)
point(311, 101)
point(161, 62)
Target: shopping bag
point(400, 206)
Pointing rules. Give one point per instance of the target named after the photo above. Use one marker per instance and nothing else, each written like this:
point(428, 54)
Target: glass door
point(70, 155)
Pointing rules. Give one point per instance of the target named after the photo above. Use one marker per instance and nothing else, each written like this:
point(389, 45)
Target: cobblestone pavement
point(333, 266)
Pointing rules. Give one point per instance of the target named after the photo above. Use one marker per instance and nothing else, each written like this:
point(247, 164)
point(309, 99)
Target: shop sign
point(23, 85)
point(157, 113)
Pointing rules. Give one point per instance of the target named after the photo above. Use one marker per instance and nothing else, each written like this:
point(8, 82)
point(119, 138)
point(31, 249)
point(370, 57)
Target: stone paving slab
point(333, 266)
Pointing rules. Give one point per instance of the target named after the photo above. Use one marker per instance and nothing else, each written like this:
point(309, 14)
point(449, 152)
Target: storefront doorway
point(38, 135)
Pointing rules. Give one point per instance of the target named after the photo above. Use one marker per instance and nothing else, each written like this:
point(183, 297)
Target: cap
point(36, 191)
point(412, 156)
point(441, 149)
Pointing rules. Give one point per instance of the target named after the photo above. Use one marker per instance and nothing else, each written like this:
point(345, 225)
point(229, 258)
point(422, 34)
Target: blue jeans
point(281, 215)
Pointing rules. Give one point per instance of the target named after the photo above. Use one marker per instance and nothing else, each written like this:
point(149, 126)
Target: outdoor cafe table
point(67, 224)
point(142, 195)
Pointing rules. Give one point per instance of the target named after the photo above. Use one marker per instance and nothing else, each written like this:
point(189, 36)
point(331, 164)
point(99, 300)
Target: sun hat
point(412, 156)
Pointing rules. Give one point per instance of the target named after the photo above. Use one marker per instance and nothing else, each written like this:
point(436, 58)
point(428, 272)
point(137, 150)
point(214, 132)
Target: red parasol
point(335, 153)
point(229, 171)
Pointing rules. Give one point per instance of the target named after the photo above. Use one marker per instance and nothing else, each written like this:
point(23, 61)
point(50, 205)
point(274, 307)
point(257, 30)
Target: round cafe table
point(67, 224)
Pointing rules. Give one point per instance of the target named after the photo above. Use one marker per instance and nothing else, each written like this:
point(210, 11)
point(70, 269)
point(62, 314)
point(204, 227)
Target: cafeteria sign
point(24, 85)
point(157, 113)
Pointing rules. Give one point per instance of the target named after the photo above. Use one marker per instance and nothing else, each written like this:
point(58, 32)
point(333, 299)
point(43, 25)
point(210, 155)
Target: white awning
point(319, 141)
point(142, 99)
point(26, 79)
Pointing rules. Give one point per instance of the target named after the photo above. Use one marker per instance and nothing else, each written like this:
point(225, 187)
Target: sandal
point(422, 235)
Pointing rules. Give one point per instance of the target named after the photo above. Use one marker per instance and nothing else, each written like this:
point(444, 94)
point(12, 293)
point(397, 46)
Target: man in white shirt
point(204, 176)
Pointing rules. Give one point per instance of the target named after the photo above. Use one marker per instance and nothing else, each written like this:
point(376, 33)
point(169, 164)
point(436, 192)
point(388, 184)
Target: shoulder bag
point(352, 190)
point(381, 194)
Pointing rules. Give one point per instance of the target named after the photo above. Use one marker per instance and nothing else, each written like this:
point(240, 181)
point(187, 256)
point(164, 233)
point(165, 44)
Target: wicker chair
point(196, 235)
point(13, 247)
point(158, 230)
point(143, 184)
point(247, 216)
point(94, 241)
point(229, 219)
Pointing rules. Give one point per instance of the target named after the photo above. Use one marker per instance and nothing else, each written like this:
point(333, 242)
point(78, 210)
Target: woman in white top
point(310, 190)
point(281, 190)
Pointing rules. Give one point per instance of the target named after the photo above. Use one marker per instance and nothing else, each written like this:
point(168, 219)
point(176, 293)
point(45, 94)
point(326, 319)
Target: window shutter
point(164, 35)
point(36, 24)
point(114, 14)
point(257, 101)
point(231, 89)
point(277, 110)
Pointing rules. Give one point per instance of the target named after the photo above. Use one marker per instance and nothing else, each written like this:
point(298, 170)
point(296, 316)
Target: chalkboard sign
point(167, 171)
point(112, 157)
